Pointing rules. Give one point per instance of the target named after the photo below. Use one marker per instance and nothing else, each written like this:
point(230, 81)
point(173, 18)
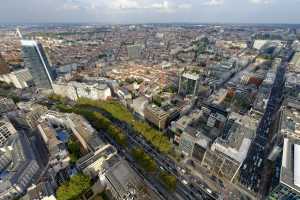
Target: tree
point(157, 100)
point(74, 150)
point(144, 160)
point(168, 180)
point(74, 188)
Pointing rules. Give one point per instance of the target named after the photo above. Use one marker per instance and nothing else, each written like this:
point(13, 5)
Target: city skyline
point(150, 11)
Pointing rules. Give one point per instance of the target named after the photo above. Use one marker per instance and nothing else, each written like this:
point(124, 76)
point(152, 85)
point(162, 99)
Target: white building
point(295, 63)
point(288, 186)
point(226, 155)
point(260, 44)
point(19, 78)
point(92, 163)
point(75, 90)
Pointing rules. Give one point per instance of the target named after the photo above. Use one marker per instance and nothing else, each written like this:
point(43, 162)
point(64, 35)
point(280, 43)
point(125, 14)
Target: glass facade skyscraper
point(36, 61)
point(188, 84)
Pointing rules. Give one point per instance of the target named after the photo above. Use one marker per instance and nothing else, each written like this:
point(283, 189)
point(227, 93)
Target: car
point(208, 190)
point(184, 182)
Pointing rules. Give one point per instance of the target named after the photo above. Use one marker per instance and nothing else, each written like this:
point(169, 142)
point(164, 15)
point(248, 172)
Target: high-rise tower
point(36, 61)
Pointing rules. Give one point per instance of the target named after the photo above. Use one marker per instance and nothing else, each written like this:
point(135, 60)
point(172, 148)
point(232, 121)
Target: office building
point(4, 68)
point(29, 114)
point(85, 134)
point(289, 125)
point(227, 154)
point(138, 105)
point(294, 65)
point(288, 186)
point(36, 61)
point(160, 116)
point(262, 98)
point(19, 167)
point(188, 84)
point(197, 130)
point(123, 183)
point(6, 130)
point(74, 90)
point(19, 78)
point(41, 191)
point(54, 140)
point(6, 105)
point(292, 85)
point(92, 163)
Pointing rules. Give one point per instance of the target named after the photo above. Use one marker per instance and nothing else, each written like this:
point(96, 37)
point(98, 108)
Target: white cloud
point(260, 1)
point(214, 2)
point(185, 6)
point(123, 5)
point(156, 5)
point(161, 5)
point(70, 6)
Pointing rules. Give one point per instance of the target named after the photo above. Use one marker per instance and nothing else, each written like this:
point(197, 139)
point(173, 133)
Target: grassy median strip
point(168, 180)
point(98, 121)
point(144, 160)
point(150, 166)
point(118, 111)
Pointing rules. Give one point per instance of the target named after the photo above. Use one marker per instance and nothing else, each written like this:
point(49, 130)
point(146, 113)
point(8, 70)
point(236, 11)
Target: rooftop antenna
point(19, 33)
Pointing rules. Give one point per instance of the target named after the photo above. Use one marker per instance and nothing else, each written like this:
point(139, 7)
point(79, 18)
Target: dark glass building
point(36, 61)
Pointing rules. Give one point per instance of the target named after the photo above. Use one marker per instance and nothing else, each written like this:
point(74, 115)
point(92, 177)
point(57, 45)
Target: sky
point(150, 11)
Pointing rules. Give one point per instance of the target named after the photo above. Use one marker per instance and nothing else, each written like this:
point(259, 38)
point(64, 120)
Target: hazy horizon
point(150, 11)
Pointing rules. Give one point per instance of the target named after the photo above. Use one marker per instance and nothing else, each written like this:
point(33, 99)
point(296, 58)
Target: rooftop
point(126, 182)
point(15, 157)
point(86, 131)
point(161, 111)
point(105, 152)
point(28, 43)
point(240, 135)
point(290, 174)
point(290, 121)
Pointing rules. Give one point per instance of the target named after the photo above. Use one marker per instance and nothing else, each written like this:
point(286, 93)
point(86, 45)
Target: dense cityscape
point(154, 111)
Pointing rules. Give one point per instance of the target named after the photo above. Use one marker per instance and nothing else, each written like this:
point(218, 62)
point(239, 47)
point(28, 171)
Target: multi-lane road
point(252, 171)
point(188, 187)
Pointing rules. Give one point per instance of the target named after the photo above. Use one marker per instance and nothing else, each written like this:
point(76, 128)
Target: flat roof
point(290, 168)
point(297, 165)
point(290, 120)
point(28, 43)
point(192, 76)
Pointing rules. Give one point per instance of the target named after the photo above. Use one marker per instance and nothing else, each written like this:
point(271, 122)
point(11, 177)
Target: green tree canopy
point(168, 180)
point(75, 187)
